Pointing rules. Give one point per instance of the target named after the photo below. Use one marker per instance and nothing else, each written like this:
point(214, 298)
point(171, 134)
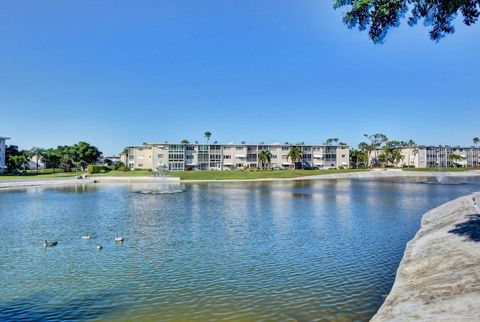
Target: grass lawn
point(238, 174)
point(116, 173)
point(441, 169)
point(40, 175)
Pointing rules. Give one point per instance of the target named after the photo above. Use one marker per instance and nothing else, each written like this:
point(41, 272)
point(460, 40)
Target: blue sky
point(117, 73)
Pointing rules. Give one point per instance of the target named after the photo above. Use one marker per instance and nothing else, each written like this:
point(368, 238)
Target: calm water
point(305, 251)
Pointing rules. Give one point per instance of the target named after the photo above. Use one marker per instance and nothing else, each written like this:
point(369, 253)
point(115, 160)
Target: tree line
point(65, 157)
point(380, 150)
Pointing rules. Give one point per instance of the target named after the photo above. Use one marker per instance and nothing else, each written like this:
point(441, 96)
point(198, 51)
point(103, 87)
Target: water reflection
point(272, 251)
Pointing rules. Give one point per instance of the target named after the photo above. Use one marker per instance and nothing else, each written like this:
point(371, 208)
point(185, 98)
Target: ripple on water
point(315, 251)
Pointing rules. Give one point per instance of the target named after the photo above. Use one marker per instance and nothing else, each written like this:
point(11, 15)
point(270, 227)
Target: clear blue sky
point(117, 73)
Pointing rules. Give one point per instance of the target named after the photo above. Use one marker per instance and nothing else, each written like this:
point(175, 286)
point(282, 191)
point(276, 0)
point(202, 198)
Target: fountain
point(162, 187)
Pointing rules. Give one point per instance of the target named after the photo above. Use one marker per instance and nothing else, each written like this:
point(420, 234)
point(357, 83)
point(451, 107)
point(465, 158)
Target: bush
point(92, 169)
point(140, 169)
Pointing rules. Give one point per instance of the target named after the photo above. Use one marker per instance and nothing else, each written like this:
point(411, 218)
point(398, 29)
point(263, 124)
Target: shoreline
point(438, 277)
point(32, 182)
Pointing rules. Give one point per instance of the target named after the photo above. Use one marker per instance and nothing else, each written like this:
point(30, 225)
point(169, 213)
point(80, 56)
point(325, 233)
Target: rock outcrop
point(439, 276)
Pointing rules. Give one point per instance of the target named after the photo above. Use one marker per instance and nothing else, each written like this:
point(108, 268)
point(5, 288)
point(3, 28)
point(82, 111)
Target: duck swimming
point(99, 247)
point(86, 237)
point(49, 244)
point(119, 239)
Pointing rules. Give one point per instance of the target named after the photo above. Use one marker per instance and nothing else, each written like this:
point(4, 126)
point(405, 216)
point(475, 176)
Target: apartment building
point(179, 157)
point(438, 156)
point(2, 153)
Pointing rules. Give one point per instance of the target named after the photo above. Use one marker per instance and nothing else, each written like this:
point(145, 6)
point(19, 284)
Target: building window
point(215, 157)
point(175, 166)
point(160, 156)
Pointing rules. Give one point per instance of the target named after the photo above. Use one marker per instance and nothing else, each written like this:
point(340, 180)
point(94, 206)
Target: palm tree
point(295, 155)
point(412, 146)
point(208, 135)
point(455, 157)
point(476, 140)
point(37, 153)
point(18, 161)
point(265, 157)
point(376, 140)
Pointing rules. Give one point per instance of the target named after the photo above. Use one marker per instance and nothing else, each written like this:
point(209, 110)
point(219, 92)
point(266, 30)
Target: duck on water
point(49, 244)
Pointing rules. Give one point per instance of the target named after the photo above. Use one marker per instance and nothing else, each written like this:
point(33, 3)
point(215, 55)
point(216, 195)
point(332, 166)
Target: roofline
point(4, 138)
point(436, 147)
point(235, 144)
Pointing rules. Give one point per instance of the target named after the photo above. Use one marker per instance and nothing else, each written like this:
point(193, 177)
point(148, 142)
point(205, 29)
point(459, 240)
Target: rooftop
point(236, 144)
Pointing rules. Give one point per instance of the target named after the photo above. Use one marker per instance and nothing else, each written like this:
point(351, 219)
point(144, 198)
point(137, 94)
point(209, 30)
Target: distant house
point(2, 153)
point(111, 160)
point(32, 163)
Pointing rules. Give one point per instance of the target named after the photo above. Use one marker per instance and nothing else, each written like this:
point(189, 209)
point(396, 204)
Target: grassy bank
point(116, 173)
point(245, 175)
point(441, 169)
point(40, 175)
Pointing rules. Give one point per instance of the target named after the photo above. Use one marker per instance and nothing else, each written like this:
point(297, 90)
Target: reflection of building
point(437, 156)
point(230, 156)
point(2, 153)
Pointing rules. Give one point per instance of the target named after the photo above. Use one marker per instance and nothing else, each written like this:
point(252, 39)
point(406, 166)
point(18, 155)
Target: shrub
point(92, 169)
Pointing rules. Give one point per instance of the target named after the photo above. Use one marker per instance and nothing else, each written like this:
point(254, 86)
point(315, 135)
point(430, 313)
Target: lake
point(280, 251)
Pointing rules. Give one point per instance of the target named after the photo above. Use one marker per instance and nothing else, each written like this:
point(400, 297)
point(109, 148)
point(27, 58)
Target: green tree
point(65, 157)
point(184, 141)
point(11, 160)
point(355, 157)
point(265, 157)
point(36, 153)
point(84, 154)
point(376, 140)
point(476, 141)
point(454, 158)
point(51, 159)
point(17, 162)
point(295, 154)
point(391, 152)
point(378, 16)
point(382, 158)
point(413, 148)
point(364, 152)
point(208, 135)
point(331, 141)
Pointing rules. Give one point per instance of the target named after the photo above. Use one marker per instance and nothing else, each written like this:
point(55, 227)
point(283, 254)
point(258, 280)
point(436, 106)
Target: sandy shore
point(31, 182)
point(439, 276)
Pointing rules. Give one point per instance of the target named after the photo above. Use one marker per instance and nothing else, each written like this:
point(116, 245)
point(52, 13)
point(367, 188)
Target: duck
point(49, 244)
point(86, 237)
point(119, 239)
point(99, 247)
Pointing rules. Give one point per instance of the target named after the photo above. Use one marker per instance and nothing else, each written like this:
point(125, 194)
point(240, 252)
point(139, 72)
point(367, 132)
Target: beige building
point(179, 157)
point(2, 153)
point(437, 156)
